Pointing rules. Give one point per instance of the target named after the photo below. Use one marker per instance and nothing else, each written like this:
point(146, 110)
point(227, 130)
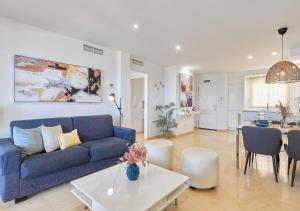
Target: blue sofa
point(102, 145)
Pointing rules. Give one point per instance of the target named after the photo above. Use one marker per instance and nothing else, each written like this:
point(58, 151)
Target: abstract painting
point(185, 90)
point(38, 80)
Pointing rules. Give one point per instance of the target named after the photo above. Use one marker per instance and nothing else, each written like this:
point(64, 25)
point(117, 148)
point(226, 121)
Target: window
point(263, 95)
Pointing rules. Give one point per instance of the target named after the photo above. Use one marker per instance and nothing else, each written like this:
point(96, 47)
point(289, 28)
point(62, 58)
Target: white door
point(208, 105)
point(137, 104)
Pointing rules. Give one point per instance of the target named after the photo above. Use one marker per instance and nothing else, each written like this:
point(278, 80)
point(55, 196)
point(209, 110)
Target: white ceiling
point(215, 35)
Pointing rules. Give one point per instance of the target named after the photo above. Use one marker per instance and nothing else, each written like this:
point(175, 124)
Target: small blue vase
point(133, 172)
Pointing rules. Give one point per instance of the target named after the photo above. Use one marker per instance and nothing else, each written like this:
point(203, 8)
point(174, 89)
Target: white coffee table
point(110, 189)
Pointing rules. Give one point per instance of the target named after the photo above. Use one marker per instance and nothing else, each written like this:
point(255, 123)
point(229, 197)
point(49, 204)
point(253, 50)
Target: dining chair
point(263, 141)
point(293, 151)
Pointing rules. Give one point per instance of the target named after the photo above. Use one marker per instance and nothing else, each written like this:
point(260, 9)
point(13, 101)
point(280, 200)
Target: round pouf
point(160, 152)
point(201, 166)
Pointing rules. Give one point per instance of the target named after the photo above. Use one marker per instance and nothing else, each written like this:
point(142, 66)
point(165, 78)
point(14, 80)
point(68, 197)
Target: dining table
point(284, 132)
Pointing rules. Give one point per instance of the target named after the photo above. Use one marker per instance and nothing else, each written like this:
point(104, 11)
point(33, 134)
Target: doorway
point(208, 105)
point(139, 104)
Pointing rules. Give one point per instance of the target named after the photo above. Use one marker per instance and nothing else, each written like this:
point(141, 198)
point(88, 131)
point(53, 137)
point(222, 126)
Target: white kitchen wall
point(23, 39)
point(236, 94)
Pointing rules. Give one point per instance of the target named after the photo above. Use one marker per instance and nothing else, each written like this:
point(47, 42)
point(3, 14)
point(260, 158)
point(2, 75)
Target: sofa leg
point(18, 200)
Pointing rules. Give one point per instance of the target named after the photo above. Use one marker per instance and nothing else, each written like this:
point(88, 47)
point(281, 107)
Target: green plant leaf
point(166, 120)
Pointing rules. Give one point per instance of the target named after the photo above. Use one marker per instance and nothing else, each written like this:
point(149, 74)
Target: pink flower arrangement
point(137, 152)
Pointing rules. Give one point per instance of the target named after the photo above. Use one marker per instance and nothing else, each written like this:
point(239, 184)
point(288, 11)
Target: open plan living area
point(136, 105)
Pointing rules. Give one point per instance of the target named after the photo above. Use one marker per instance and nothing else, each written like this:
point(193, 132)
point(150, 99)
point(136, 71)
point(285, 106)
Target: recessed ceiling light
point(178, 47)
point(250, 57)
point(136, 26)
point(274, 53)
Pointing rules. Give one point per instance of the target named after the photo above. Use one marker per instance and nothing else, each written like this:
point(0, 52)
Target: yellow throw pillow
point(67, 140)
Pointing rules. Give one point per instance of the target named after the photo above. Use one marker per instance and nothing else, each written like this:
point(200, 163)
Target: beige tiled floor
point(255, 191)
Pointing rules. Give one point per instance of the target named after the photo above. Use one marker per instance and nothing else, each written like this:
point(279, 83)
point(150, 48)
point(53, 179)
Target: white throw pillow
point(50, 137)
point(30, 141)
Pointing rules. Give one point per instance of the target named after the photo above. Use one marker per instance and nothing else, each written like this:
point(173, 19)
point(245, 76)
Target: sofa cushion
point(50, 137)
point(107, 148)
point(46, 163)
point(91, 128)
point(30, 141)
point(67, 140)
point(66, 123)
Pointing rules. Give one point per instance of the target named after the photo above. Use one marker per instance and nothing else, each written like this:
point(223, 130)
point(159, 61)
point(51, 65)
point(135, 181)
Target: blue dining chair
point(263, 141)
point(293, 151)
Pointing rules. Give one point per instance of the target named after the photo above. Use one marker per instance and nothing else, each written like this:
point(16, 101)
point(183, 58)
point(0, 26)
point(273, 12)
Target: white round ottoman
point(201, 166)
point(160, 152)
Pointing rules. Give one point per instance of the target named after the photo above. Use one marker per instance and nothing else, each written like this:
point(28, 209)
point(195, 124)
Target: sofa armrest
point(125, 133)
point(10, 157)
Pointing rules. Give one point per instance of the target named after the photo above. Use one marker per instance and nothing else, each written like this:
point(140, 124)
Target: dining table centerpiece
point(136, 153)
point(284, 111)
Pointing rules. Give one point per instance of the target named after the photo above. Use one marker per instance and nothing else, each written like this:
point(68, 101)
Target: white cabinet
point(185, 123)
point(208, 120)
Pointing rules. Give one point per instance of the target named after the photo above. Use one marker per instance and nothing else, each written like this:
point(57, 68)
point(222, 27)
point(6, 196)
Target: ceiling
point(215, 35)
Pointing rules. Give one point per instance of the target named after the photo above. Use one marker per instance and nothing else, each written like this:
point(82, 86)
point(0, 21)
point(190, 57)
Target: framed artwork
point(185, 90)
point(38, 80)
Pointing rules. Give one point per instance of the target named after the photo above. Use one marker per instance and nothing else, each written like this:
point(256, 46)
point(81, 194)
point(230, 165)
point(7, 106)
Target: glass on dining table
point(270, 120)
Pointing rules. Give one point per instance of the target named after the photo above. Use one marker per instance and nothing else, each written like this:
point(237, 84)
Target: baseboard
point(184, 134)
point(224, 130)
point(155, 137)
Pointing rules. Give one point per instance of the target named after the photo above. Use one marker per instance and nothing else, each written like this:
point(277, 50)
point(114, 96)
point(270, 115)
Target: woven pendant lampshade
point(283, 71)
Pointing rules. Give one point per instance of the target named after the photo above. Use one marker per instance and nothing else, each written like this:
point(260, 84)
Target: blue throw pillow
point(30, 141)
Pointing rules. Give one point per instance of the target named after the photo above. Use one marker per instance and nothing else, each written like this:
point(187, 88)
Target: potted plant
point(284, 110)
point(166, 120)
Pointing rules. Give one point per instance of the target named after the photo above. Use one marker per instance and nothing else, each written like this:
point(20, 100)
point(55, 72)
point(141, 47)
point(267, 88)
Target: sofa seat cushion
point(106, 148)
point(46, 163)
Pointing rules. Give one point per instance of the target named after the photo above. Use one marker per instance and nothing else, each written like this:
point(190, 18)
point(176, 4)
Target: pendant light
point(283, 71)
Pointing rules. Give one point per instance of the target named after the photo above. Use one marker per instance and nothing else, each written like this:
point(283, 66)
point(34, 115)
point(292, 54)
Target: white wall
point(125, 88)
point(171, 90)
point(172, 84)
point(18, 38)
point(154, 74)
point(236, 94)
point(22, 39)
